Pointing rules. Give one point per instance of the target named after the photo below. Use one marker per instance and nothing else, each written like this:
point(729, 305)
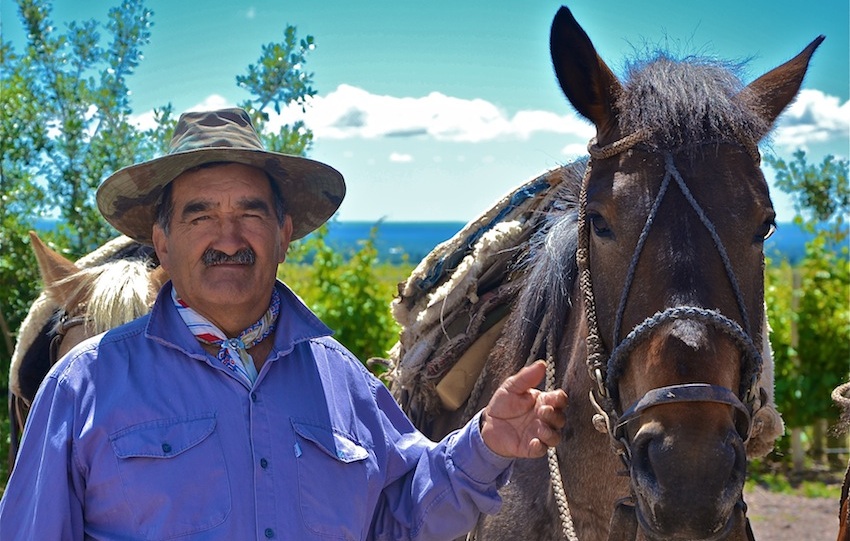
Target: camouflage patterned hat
point(128, 199)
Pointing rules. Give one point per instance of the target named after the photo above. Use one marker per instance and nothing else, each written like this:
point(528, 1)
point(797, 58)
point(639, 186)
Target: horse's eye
point(765, 231)
point(600, 226)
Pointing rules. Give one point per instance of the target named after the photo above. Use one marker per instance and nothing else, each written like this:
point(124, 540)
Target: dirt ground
point(783, 517)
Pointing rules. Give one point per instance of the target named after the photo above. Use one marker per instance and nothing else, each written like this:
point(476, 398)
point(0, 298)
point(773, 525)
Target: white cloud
point(213, 101)
point(145, 121)
point(574, 150)
point(349, 111)
point(352, 112)
point(813, 118)
point(398, 157)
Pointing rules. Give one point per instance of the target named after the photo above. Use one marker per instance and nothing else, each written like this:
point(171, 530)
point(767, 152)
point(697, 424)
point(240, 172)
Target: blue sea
point(412, 241)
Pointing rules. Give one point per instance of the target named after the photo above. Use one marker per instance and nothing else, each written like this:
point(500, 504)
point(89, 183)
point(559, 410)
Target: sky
point(433, 110)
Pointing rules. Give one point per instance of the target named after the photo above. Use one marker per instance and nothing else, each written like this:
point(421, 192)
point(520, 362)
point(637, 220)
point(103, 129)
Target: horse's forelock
point(687, 102)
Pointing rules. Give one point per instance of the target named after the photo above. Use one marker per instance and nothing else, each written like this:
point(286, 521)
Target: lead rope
point(558, 491)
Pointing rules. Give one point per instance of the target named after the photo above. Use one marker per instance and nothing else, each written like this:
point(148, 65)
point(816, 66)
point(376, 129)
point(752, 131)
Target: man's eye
point(199, 219)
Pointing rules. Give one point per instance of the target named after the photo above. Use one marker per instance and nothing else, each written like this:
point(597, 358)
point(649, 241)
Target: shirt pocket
point(334, 471)
point(174, 475)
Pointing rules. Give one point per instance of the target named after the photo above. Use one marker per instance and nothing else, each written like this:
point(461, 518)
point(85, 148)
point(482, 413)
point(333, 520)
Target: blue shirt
point(140, 434)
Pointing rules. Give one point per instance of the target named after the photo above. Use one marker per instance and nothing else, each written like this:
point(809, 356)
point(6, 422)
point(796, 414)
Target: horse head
point(112, 285)
point(674, 200)
point(93, 299)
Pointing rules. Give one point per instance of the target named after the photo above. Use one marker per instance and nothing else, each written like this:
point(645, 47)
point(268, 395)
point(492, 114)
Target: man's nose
point(230, 238)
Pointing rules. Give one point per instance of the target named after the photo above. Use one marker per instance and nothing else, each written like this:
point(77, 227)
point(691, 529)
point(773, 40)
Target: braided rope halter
point(605, 369)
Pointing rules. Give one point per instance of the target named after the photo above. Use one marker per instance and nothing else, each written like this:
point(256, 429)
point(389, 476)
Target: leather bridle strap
point(66, 323)
point(688, 392)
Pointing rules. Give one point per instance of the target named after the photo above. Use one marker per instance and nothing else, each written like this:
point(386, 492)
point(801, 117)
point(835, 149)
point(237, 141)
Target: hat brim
point(312, 190)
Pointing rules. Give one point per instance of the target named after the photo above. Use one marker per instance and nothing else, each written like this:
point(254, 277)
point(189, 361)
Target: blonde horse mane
point(101, 287)
point(107, 295)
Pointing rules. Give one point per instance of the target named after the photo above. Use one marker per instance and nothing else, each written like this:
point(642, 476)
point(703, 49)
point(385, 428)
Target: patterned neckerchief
point(233, 352)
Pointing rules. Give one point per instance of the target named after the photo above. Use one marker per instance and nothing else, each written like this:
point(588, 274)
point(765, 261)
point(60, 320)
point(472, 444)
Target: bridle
point(605, 368)
point(66, 322)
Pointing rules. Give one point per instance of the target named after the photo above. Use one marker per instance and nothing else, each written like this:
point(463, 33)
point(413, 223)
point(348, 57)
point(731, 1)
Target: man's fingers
point(557, 398)
point(553, 417)
point(526, 378)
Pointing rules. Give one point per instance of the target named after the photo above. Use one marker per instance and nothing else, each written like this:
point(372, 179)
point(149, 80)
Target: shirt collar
point(296, 323)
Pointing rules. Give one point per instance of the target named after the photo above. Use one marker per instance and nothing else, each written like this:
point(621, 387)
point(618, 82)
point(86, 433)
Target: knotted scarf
point(233, 352)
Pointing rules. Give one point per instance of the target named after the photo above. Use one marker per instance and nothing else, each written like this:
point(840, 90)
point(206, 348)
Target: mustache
point(243, 256)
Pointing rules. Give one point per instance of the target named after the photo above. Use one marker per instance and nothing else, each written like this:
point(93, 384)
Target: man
point(228, 412)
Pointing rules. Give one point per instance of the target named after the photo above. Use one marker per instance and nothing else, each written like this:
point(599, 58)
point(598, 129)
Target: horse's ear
point(52, 266)
point(772, 92)
point(588, 83)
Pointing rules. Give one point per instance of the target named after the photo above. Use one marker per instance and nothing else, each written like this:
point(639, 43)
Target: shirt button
point(269, 533)
point(166, 448)
point(253, 397)
point(264, 463)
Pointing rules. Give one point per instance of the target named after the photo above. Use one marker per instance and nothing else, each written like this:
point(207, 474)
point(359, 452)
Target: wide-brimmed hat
point(128, 199)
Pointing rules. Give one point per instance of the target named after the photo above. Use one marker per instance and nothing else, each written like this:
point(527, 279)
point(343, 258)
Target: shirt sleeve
point(42, 498)
point(435, 490)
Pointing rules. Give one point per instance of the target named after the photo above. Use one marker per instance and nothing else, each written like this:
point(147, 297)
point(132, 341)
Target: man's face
point(219, 211)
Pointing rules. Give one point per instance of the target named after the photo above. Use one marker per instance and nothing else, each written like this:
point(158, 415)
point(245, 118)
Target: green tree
point(21, 140)
point(278, 79)
point(80, 88)
point(347, 292)
point(808, 303)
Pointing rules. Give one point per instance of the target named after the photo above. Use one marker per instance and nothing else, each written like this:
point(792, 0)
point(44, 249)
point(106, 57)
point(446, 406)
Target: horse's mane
point(550, 271)
point(110, 294)
point(687, 102)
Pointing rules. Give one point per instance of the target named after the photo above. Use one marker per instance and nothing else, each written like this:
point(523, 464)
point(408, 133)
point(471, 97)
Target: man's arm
point(41, 501)
point(438, 490)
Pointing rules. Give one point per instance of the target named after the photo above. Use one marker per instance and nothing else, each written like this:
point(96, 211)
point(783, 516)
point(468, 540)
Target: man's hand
point(521, 421)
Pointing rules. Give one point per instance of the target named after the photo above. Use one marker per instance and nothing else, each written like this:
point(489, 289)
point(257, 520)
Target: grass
point(816, 482)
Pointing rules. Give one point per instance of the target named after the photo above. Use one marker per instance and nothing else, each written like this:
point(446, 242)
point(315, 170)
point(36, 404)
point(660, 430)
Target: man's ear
point(285, 237)
point(160, 245)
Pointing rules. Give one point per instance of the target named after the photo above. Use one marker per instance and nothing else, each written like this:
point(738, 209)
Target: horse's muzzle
point(687, 489)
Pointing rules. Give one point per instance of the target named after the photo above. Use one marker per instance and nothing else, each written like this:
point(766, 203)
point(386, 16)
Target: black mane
point(687, 102)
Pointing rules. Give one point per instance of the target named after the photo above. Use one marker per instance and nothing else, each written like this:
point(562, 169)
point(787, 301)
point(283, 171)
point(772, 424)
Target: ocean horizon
point(399, 242)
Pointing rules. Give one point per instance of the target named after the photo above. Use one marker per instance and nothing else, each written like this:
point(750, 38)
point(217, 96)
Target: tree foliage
point(808, 303)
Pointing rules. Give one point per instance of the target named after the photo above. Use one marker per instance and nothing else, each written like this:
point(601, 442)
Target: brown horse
point(113, 285)
point(642, 286)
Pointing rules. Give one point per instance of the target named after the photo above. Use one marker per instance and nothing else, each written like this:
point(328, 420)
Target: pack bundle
point(455, 303)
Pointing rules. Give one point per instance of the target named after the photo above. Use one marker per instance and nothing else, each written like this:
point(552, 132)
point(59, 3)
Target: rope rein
point(558, 491)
